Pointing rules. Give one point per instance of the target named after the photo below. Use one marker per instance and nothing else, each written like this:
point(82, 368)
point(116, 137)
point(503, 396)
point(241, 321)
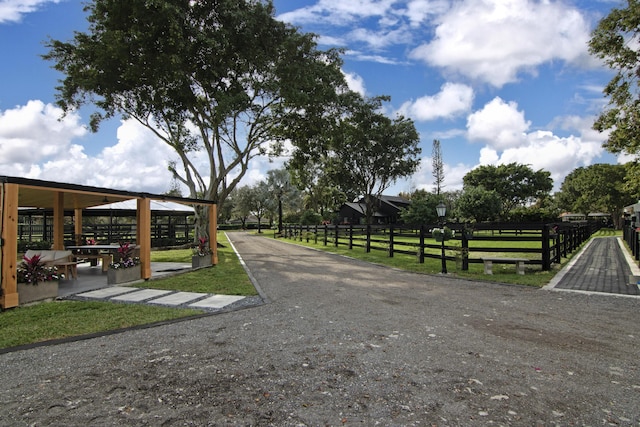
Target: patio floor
point(91, 278)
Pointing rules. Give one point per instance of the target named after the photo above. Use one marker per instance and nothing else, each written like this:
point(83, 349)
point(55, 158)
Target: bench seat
point(61, 259)
point(519, 262)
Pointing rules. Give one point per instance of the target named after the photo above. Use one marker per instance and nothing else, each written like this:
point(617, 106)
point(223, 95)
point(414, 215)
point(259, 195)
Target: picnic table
point(93, 253)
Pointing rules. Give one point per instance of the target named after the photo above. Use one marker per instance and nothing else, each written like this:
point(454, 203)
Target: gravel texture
point(342, 342)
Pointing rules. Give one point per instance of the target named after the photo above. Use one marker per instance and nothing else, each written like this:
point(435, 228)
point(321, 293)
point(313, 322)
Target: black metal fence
point(554, 240)
point(631, 235)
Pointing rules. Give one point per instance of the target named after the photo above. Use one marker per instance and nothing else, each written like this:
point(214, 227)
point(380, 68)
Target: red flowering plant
point(126, 258)
point(33, 271)
point(203, 248)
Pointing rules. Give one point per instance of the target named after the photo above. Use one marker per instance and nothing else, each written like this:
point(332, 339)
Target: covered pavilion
point(23, 192)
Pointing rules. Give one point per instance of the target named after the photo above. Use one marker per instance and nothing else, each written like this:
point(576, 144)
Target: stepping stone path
point(195, 300)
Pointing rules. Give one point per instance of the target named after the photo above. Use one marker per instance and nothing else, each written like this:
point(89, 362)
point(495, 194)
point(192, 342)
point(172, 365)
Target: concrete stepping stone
point(107, 292)
point(178, 298)
point(141, 295)
point(216, 301)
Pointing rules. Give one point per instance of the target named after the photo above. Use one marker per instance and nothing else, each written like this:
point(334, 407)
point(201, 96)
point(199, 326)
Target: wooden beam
point(9, 250)
point(213, 230)
point(143, 234)
point(77, 226)
point(58, 220)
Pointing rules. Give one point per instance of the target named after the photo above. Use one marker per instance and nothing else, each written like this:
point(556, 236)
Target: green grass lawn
point(62, 319)
point(32, 324)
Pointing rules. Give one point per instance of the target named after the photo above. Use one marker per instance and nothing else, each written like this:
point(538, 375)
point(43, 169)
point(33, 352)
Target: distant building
point(386, 210)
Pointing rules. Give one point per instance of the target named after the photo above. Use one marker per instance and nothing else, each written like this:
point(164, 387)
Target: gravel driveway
point(342, 342)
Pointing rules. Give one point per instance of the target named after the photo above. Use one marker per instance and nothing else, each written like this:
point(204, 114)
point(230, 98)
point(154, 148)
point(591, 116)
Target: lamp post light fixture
point(441, 209)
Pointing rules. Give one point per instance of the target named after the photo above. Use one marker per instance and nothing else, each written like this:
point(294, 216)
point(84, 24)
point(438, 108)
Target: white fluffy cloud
point(355, 83)
point(505, 131)
point(452, 100)
point(495, 40)
point(544, 150)
point(338, 12)
point(499, 124)
point(35, 143)
point(12, 10)
point(33, 133)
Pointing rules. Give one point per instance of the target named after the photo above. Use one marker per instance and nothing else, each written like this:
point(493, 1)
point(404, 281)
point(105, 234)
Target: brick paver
point(602, 267)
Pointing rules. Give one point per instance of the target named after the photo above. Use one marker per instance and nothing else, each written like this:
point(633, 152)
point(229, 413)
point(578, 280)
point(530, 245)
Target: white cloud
point(13, 10)
point(452, 100)
point(540, 149)
point(338, 12)
point(420, 11)
point(360, 56)
point(379, 39)
point(33, 133)
point(548, 152)
point(36, 143)
point(355, 83)
point(499, 124)
point(495, 40)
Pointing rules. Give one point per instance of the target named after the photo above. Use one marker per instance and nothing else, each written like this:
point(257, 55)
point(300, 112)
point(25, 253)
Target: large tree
point(615, 40)
point(516, 184)
point(370, 151)
point(438, 167)
point(222, 77)
point(596, 188)
point(422, 209)
point(479, 204)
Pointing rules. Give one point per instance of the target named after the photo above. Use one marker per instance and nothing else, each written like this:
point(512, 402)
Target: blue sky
point(496, 81)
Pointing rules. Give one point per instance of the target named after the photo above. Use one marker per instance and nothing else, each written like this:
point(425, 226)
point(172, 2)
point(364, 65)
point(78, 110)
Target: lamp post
point(441, 209)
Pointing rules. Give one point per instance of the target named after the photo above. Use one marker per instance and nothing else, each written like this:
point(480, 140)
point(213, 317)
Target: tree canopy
point(479, 204)
point(422, 209)
point(596, 188)
point(516, 184)
point(363, 154)
point(615, 40)
point(221, 77)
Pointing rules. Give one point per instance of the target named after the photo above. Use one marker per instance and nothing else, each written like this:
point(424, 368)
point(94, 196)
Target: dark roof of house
point(361, 209)
point(394, 199)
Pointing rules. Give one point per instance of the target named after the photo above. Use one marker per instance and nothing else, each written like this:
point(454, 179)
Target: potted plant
point(36, 280)
point(201, 254)
point(441, 234)
point(126, 268)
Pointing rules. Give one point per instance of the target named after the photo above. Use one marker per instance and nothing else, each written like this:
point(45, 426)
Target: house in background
point(386, 211)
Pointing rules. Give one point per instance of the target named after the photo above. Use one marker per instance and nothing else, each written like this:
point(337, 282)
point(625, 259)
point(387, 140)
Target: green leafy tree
point(260, 200)
point(285, 197)
point(320, 193)
point(422, 209)
point(438, 167)
point(596, 188)
point(222, 77)
point(242, 204)
point(479, 204)
point(615, 41)
point(310, 217)
point(515, 184)
point(370, 151)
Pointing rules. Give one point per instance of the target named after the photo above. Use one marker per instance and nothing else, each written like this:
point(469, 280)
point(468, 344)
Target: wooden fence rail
point(556, 240)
